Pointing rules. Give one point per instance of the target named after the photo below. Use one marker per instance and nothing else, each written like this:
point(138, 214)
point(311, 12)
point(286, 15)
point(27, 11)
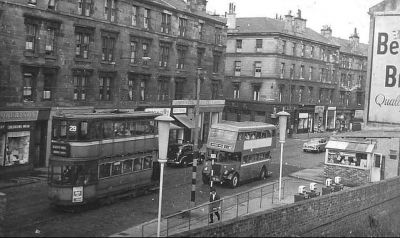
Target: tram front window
point(75, 175)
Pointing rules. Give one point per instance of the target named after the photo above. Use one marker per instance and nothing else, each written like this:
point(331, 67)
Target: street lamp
point(283, 116)
point(164, 123)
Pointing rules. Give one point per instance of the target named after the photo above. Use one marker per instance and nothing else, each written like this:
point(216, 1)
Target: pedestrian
point(215, 205)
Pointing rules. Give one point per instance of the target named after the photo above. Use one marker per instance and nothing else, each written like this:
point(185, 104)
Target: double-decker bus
point(100, 156)
point(242, 149)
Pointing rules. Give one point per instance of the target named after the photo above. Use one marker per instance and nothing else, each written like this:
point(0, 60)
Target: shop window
point(17, 148)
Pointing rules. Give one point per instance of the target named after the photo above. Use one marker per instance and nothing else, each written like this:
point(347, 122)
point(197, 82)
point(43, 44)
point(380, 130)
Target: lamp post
point(283, 116)
point(164, 123)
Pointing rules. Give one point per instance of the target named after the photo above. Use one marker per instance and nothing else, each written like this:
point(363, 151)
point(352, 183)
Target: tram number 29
point(72, 128)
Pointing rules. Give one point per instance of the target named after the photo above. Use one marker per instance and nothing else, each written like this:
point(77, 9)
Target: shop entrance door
point(377, 168)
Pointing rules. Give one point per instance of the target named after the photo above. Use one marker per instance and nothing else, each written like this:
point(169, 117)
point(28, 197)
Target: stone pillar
point(3, 206)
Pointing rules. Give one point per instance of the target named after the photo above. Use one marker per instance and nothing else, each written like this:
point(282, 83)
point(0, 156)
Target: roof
point(242, 126)
point(370, 134)
point(180, 5)
point(270, 25)
point(346, 46)
point(106, 115)
point(351, 146)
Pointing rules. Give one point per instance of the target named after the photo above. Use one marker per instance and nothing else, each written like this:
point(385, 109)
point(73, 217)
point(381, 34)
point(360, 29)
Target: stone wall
point(3, 206)
point(350, 176)
point(368, 210)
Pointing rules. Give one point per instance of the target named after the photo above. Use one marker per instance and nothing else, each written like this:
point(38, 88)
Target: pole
point(160, 197)
point(280, 172)
point(196, 141)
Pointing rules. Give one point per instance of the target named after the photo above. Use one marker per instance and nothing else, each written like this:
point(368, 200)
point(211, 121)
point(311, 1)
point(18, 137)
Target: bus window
point(137, 164)
point(245, 159)
point(127, 166)
point(105, 170)
point(116, 168)
point(108, 130)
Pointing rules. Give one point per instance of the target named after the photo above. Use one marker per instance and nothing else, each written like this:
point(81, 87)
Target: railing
point(230, 208)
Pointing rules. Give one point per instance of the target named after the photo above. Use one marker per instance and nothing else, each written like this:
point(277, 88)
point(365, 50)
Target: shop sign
point(77, 194)
point(331, 108)
point(201, 102)
point(179, 110)
point(319, 109)
point(16, 127)
point(164, 111)
point(13, 116)
point(303, 115)
point(60, 149)
point(358, 114)
point(384, 99)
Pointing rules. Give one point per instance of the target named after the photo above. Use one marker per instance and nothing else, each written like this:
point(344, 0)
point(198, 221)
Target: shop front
point(22, 140)
point(305, 119)
point(331, 119)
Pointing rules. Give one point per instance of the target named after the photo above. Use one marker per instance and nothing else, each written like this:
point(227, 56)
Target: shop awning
point(185, 120)
point(174, 127)
point(350, 146)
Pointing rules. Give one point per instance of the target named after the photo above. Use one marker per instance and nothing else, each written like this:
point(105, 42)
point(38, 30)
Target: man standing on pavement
point(215, 204)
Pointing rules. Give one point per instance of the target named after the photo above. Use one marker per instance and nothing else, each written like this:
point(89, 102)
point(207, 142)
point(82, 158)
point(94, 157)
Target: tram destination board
point(60, 149)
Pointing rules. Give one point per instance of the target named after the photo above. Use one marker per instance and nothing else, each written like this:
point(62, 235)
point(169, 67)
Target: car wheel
point(304, 150)
point(185, 163)
point(235, 181)
point(263, 173)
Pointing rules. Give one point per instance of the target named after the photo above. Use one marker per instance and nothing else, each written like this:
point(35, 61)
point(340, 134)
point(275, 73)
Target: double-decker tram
point(242, 151)
point(102, 156)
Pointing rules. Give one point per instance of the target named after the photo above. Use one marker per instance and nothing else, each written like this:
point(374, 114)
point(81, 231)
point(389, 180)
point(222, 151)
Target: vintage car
point(181, 155)
point(315, 145)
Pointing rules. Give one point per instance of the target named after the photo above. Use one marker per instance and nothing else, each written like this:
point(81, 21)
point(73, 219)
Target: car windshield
point(315, 140)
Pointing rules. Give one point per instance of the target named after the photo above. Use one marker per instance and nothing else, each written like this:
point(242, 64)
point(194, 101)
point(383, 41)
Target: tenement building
point(61, 56)
point(279, 63)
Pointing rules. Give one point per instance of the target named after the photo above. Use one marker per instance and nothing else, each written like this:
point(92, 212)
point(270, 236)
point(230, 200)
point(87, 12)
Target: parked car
point(182, 155)
point(315, 145)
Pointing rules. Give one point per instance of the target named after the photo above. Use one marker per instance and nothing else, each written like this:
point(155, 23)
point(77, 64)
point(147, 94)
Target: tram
point(101, 156)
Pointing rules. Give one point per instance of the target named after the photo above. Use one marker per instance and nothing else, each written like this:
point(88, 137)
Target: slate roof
point(270, 25)
point(346, 47)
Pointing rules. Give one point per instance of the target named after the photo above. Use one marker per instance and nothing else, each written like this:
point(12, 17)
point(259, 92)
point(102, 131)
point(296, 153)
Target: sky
point(342, 15)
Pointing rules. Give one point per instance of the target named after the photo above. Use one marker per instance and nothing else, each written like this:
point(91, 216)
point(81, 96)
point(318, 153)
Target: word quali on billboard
point(384, 101)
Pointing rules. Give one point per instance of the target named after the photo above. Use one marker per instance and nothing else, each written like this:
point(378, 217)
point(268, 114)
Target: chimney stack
point(326, 31)
point(289, 22)
point(299, 23)
point(196, 5)
point(355, 39)
point(231, 17)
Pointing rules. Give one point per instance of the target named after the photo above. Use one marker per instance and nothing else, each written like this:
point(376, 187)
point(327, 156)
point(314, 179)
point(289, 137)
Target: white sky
point(342, 15)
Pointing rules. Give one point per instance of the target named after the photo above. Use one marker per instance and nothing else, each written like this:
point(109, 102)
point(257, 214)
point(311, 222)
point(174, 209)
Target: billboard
point(384, 100)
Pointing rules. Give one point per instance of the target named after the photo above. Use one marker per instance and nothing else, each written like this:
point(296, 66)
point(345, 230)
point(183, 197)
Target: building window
point(294, 53)
point(32, 2)
point(82, 45)
point(218, 36)
point(108, 48)
point(301, 96)
point(312, 51)
point(342, 98)
point(182, 27)
point(50, 41)
point(238, 45)
point(146, 18)
point(257, 71)
point(292, 92)
point(238, 65)
point(310, 93)
point(331, 94)
point(28, 87)
point(164, 54)
point(180, 64)
point(142, 90)
point(256, 92)
point(282, 70)
point(302, 72)
point(216, 61)
point(281, 90)
point(200, 55)
point(145, 51)
point(321, 74)
point(359, 99)
point(236, 91)
point(80, 83)
point(322, 54)
point(259, 44)
point(134, 15)
point(110, 10)
point(284, 47)
point(179, 89)
point(85, 7)
point(105, 88)
point(131, 89)
point(165, 23)
point(333, 77)
point(31, 36)
point(201, 29)
point(303, 50)
point(292, 71)
point(215, 89)
point(321, 95)
point(48, 86)
point(163, 89)
point(134, 53)
point(310, 76)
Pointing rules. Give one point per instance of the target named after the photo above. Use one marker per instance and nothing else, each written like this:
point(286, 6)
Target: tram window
point(273, 133)
point(119, 129)
point(116, 168)
point(245, 159)
point(108, 130)
point(56, 174)
point(63, 129)
point(137, 164)
point(132, 127)
point(83, 132)
point(147, 162)
point(263, 134)
point(105, 170)
point(268, 134)
point(142, 128)
point(96, 130)
point(127, 166)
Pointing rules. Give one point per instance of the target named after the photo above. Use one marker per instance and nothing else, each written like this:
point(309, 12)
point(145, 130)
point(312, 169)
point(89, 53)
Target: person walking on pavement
point(215, 204)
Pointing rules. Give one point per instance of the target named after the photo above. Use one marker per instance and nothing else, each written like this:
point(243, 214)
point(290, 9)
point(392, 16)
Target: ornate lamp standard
point(283, 116)
point(163, 138)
